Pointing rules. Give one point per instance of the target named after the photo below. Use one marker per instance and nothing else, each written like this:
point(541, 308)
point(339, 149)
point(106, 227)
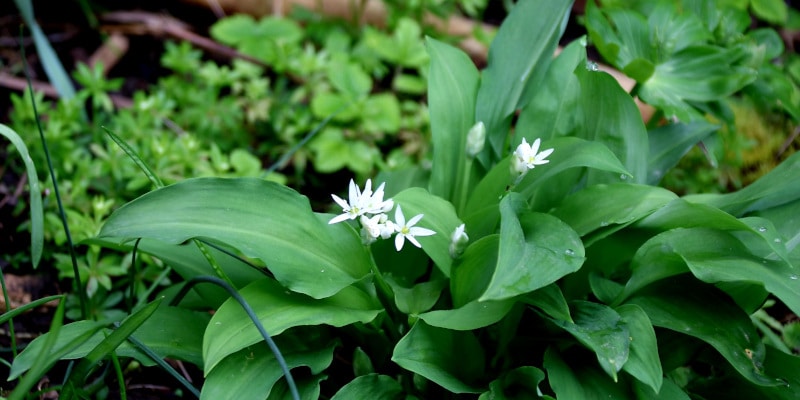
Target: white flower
point(527, 156)
point(458, 241)
point(361, 203)
point(375, 227)
point(373, 203)
point(407, 230)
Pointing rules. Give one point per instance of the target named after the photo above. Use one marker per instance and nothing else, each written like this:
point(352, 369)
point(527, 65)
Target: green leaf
point(263, 220)
point(518, 59)
point(535, 251)
point(52, 65)
point(338, 105)
point(471, 316)
point(669, 143)
point(703, 312)
point(519, 383)
point(550, 113)
point(252, 372)
point(278, 309)
point(439, 215)
point(419, 298)
point(35, 194)
point(579, 380)
point(600, 206)
point(188, 261)
point(452, 89)
point(452, 359)
point(550, 300)
point(674, 29)
point(697, 73)
point(381, 114)
point(768, 191)
point(349, 78)
point(712, 256)
point(55, 345)
point(615, 122)
point(471, 275)
point(643, 361)
point(772, 11)
point(372, 386)
point(669, 391)
point(682, 214)
point(110, 343)
point(603, 331)
point(28, 306)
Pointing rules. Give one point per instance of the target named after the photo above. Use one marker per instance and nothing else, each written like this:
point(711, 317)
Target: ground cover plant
point(534, 258)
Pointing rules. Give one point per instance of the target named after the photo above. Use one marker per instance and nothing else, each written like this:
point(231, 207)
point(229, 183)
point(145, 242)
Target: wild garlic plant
point(545, 263)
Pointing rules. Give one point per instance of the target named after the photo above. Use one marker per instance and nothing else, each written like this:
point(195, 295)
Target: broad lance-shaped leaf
point(452, 359)
point(371, 386)
point(518, 59)
point(643, 361)
point(535, 251)
point(452, 88)
point(701, 311)
point(771, 190)
point(522, 382)
point(616, 122)
point(473, 315)
point(602, 205)
point(712, 256)
point(551, 112)
point(278, 309)
point(682, 214)
point(602, 330)
point(263, 220)
point(252, 373)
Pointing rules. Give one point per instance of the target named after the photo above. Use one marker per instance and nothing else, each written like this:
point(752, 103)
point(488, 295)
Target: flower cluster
point(527, 156)
point(371, 210)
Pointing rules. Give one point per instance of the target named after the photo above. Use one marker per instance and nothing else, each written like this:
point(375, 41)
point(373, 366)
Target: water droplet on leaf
point(569, 252)
point(762, 229)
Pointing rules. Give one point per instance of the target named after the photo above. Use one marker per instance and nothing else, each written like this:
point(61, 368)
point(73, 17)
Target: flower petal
point(339, 218)
point(414, 220)
point(418, 231)
point(414, 241)
point(399, 218)
point(398, 241)
point(340, 201)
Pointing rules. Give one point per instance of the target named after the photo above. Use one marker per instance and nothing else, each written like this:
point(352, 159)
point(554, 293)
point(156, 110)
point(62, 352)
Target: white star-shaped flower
point(361, 203)
point(407, 230)
point(527, 156)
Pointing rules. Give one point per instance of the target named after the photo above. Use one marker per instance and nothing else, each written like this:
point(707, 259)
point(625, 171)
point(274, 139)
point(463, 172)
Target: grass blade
point(35, 202)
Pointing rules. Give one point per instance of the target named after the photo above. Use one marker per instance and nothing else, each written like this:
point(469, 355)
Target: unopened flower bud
point(476, 138)
point(458, 241)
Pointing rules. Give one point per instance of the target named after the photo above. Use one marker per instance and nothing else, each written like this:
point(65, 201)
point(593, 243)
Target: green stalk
point(10, 320)
point(81, 291)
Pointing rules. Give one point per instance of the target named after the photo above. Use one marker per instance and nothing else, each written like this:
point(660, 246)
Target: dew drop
point(604, 223)
point(762, 229)
point(592, 66)
point(777, 240)
point(322, 270)
point(623, 177)
point(793, 277)
point(569, 252)
point(583, 41)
